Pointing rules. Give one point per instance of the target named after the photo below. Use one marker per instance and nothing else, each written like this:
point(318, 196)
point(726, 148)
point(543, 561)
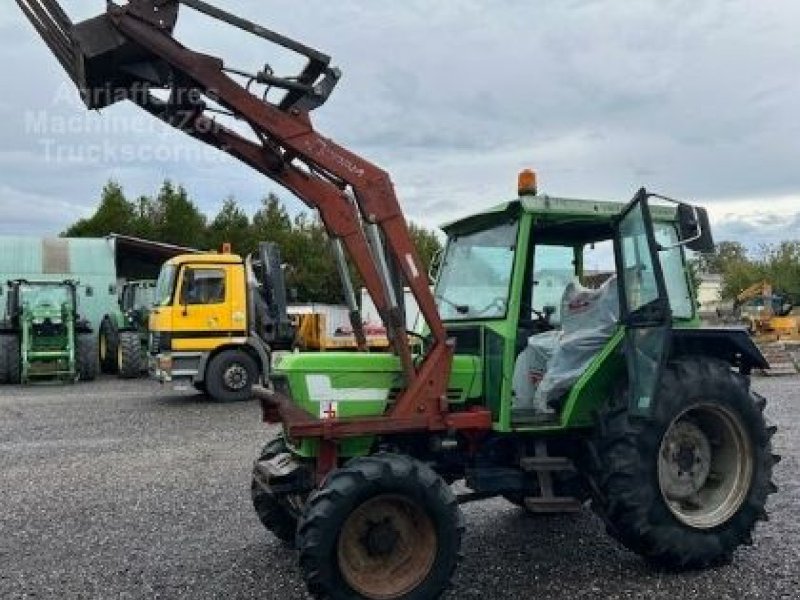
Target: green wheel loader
point(42, 338)
point(122, 342)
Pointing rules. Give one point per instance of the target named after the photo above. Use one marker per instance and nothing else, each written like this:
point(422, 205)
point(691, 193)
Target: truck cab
point(215, 320)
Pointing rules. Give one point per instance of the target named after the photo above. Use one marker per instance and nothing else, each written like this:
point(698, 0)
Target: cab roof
point(206, 258)
point(555, 209)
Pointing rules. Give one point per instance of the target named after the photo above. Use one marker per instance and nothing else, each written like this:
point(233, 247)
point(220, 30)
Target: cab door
point(645, 305)
point(202, 315)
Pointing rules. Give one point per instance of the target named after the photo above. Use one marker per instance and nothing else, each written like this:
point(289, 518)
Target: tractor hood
point(349, 384)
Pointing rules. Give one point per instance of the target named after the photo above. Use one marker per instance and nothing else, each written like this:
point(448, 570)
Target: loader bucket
point(105, 65)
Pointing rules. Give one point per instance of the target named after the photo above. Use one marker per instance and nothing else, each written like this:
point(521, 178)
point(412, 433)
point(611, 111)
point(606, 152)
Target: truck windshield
point(165, 285)
point(475, 274)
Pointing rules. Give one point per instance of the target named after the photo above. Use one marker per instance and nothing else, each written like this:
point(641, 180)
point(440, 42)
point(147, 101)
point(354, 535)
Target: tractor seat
point(553, 361)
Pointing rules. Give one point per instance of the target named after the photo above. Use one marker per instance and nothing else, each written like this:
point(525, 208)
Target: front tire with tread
point(222, 367)
point(87, 361)
point(10, 367)
point(130, 363)
point(273, 511)
point(359, 484)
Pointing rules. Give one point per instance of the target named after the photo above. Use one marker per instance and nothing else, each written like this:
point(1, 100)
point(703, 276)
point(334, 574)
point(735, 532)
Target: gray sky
point(695, 99)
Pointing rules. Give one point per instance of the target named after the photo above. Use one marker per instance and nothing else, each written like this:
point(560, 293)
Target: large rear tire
point(278, 514)
point(130, 361)
point(686, 487)
point(230, 376)
point(383, 527)
point(108, 343)
point(10, 367)
point(87, 363)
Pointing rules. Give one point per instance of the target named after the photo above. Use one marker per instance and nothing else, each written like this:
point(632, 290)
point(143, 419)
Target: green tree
point(177, 218)
point(231, 225)
point(427, 243)
point(272, 222)
point(114, 215)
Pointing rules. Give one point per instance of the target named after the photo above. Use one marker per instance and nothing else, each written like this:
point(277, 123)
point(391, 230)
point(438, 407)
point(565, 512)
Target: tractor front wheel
point(86, 358)
point(383, 527)
point(278, 513)
point(685, 487)
point(130, 361)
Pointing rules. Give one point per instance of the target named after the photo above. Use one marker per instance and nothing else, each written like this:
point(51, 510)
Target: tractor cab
point(544, 289)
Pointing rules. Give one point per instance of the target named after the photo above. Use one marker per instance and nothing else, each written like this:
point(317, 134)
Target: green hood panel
point(349, 384)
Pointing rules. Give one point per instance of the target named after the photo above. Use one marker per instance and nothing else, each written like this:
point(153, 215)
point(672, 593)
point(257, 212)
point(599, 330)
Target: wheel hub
point(387, 547)
point(705, 465)
point(686, 456)
point(381, 538)
point(235, 377)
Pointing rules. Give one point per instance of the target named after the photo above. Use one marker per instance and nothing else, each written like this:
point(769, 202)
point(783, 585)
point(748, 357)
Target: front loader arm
point(131, 49)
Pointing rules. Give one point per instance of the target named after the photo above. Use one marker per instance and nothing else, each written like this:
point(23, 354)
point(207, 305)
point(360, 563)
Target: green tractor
point(123, 334)
point(612, 394)
point(42, 337)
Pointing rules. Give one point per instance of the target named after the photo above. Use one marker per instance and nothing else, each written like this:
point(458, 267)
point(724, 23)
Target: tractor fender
point(252, 345)
point(731, 344)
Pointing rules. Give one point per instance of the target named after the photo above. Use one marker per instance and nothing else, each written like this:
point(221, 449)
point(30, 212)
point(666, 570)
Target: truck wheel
point(685, 487)
point(230, 376)
point(86, 358)
point(278, 514)
point(10, 371)
point(129, 355)
point(382, 527)
point(108, 344)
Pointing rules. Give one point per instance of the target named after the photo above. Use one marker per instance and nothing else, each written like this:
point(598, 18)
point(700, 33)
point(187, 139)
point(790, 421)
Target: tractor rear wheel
point(10, 371)
point(129, 360)
point(278, 513)
point(108, 344)
point(86, 357)
point(382, 527)
point(685, 487)
point(230, 376)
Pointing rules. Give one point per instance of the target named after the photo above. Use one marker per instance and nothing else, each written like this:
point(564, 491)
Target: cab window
point(203, 286)
point(553, 271)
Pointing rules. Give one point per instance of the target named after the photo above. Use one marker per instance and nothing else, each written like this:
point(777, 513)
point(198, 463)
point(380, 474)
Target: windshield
point(143, 296)
point(475, 274)
point(45, 296)
point(165, 285)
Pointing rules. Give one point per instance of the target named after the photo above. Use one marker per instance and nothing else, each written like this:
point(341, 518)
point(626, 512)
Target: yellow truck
point(216, 320)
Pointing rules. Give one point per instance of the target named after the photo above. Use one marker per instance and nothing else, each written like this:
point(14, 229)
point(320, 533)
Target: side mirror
point(694, 228)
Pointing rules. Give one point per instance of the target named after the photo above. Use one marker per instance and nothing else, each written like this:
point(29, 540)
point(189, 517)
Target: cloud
point(693, 99)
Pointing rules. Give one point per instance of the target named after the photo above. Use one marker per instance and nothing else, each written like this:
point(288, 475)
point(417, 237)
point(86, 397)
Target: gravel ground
point(127, 490)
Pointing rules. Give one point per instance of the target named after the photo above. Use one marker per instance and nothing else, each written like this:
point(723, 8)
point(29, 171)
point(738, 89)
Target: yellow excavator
point(767, 313)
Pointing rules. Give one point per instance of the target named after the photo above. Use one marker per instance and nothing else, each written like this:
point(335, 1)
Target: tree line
point(172, 217)
point(777, 263)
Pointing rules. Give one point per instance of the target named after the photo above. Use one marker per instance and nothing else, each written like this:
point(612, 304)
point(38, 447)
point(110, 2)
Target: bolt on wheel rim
point(235, 377)
point(705, 465)
point(387, 547)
